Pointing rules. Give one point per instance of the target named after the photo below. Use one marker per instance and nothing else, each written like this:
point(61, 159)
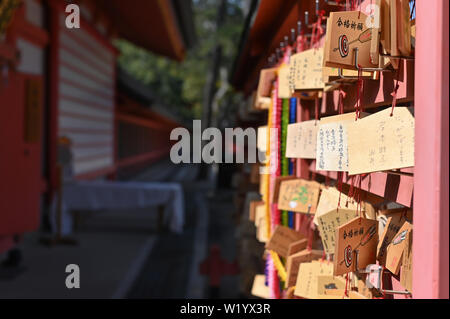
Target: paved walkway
point(121, 254)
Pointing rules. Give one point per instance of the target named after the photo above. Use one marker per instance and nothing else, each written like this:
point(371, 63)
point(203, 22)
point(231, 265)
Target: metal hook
point(343, 77)
point(355, 50)
point(293, 35)
point(398, 57)
point(357, 67)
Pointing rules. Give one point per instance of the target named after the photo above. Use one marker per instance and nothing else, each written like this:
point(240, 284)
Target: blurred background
point(85, 175)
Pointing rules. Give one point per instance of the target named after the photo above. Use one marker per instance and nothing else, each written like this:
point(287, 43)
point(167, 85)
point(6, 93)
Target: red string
point(347, 282)
point(394, 93)
point(317, 29)
point(359, 93)
point(359, 4)
point(342, 96)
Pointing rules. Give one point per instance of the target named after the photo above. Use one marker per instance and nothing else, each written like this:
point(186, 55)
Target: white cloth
point(100, 195)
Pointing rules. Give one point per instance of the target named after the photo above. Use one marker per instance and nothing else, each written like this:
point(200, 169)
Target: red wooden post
point(430, 239)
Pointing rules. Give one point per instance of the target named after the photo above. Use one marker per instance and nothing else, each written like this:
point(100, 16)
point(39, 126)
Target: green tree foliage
point(180, 86)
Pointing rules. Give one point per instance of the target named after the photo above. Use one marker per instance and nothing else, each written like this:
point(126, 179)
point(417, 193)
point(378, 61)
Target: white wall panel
point(82, 109)
point(86, 98)
point(69, 122)
point(94, 97)
point(31, 58)
point(94, 165)
point(80, 138)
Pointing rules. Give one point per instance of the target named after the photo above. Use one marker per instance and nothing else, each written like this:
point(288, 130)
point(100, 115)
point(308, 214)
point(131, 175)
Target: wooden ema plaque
point(301, 140)
point(306, 68)
point(348, 30)
point(307, 281)
point(281, 238)
point(394, 251)
point(299, 196)
point(356, 245)
point(293, 263)
point(381, 142)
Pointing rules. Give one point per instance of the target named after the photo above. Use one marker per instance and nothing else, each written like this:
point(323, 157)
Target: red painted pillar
point(431, 223)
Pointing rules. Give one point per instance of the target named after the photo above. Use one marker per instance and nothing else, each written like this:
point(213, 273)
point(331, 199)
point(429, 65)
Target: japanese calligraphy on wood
point(331, 149)
point(301, 140)
point(348, 30)
point(381, 142)
point(356, 245)
point(284, 91)
point(307, 70)
point(329, 222)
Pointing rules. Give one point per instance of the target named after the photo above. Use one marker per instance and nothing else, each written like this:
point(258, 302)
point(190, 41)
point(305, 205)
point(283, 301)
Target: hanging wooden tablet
point(259, 288)
point(261, 232)
point(404, 27)
point(329, 200)
point(394, 252)
point(299, 196)
point(293, 263)
point(381, 142)
point(347, 31)
point(297, 246)
point(262, 139)
point(331, 149)
point(308, 70)
point(266, 79)
point(329, 282)
point(281, 238)
point(375, 40)
point(329, 222)
point(406, 268)
point(253, 206)
point(307, 279)
point(276, 189)
point(301, 140)
point(356, 245)
point(284, 91)
point(393, 8)
point(259, 213)
point(385, 35)
point(393, 225)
